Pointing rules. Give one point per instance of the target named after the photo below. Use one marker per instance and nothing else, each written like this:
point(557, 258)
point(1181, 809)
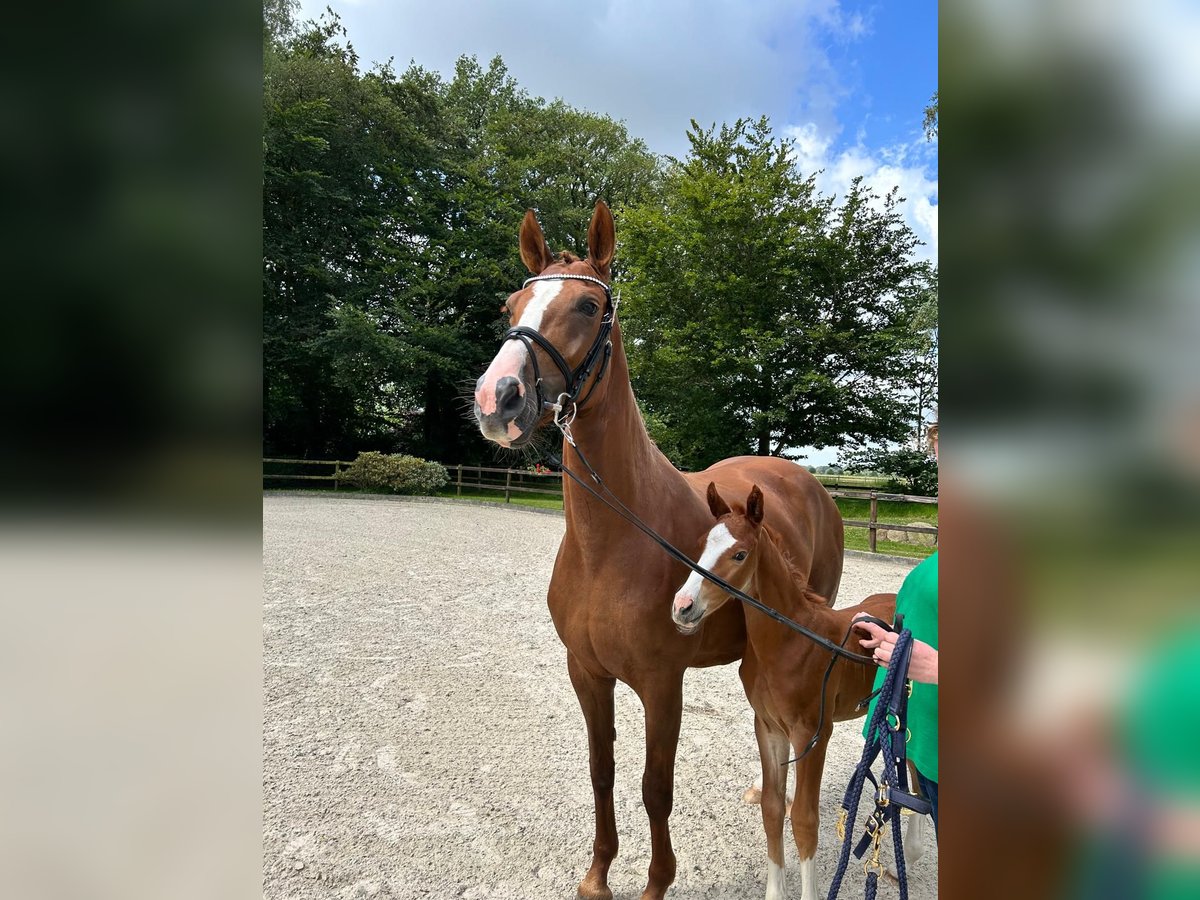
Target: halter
point(574, 379)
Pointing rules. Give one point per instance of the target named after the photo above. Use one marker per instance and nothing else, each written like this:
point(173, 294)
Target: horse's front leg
point(596, 699)
point(662, 699)
point(773, 750)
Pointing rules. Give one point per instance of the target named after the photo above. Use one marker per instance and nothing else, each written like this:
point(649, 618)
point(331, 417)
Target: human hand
point(923, 666)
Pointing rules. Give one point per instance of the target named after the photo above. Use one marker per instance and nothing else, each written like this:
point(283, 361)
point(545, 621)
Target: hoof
point(753, 795)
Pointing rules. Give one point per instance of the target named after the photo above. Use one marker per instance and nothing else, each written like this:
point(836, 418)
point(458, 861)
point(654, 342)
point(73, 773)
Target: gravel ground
point(421, 738)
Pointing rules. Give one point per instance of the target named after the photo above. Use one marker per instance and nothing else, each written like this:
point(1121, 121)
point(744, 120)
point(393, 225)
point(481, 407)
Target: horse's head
point(726, 550)
point(550, 315)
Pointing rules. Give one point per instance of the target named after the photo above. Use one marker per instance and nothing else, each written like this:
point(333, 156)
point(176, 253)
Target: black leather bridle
point(574, 379)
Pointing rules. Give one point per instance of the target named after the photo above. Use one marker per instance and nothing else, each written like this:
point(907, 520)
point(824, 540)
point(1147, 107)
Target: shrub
point(912, 471)
point(395, 474)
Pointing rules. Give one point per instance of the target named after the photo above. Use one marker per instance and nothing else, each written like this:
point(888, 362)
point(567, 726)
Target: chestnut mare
point(611, 586)
point(782, 670)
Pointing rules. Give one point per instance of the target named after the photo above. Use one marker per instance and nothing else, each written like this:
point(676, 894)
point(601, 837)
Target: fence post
point(874, 520)
point(337, 470)
point(507, 485)
point(459, 491)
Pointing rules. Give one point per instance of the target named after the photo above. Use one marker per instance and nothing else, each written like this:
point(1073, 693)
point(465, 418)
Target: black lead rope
point(624, 512)
point(887, 734)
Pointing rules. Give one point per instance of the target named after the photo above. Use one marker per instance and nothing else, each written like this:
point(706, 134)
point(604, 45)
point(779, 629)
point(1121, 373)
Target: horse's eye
point(739, 556)
point(589, 308)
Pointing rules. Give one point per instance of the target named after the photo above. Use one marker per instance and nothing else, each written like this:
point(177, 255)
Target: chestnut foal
point(781, 670)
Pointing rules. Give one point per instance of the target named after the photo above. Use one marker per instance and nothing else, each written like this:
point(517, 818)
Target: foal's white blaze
point(719, 540)
point(776, 882)
point(513, 354)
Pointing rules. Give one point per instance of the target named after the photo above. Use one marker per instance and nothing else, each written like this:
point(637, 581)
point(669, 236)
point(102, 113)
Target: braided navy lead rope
point(891, 778)
point(850, 802)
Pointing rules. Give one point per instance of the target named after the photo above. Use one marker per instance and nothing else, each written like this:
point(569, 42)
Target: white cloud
point(655, 65)
point(903, 166)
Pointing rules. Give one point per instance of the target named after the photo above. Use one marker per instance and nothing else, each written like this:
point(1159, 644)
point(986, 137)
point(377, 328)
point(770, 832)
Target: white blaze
point(513, 354)
point(544, 293)
point(719, 540)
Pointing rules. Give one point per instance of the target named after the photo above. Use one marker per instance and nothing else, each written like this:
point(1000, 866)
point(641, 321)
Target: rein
point(679, 556)
point(566, 407)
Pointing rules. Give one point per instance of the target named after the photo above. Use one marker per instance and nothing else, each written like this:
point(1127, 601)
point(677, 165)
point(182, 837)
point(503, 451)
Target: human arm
point(923, 665)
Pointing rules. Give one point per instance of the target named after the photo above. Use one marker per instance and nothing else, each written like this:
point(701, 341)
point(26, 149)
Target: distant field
point(889, 511)
point(541, 501)
point(854, 481)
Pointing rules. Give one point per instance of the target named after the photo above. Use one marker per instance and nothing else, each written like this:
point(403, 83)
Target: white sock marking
point(776, 881)
point(808, 879)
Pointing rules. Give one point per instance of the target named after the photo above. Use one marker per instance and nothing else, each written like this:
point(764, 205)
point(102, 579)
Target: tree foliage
point(390, 209)
point(912, 471)
point(760, 315)
point(930, 122)
point(766, 316)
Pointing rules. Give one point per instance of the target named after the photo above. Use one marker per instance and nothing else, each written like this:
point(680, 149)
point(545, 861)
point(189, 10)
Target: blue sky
point(847, 81)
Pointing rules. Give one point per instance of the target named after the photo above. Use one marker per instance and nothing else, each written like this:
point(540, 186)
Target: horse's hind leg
point(662, 699)
point(752, 796)
point(773, 751)
point(806, 811)
point(596, 698)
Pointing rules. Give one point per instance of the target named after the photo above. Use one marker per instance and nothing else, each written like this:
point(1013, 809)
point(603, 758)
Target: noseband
point(574, 379)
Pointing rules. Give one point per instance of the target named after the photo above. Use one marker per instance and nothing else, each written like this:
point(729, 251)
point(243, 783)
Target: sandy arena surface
point(421, 737)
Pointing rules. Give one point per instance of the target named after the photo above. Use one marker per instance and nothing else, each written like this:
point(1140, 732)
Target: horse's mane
point(799, 579)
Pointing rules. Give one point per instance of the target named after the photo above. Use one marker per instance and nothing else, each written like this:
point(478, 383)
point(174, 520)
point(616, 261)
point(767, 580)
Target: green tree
point(930, 122)
point(762, 315)
point(913, 471)
point(390, 209)
point(346, 169)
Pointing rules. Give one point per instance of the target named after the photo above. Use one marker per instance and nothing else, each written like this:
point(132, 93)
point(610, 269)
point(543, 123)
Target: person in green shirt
point(917, 601)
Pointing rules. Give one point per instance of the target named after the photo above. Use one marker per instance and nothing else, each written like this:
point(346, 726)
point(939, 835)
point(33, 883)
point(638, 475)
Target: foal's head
point(567, 313)
point(727, 550)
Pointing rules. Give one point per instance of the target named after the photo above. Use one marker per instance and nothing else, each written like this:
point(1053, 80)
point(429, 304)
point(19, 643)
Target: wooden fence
point(873, 525)
point(335, 476)
point(510, 481)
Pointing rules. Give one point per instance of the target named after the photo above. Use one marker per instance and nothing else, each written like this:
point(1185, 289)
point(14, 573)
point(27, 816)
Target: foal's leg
point(596, 698)
point(773, 751)
point(806, 810)
point(662, 699)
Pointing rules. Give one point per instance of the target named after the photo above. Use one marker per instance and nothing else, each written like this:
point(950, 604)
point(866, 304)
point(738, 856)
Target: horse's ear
point(716, 503)
point(535, 252)
point(602, 239)
point(754, 506)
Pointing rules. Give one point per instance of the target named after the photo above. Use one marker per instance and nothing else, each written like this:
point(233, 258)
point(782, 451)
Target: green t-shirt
point(917, 601)
point(1158, 733)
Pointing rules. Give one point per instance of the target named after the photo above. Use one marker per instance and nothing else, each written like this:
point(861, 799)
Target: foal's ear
point(716, 503)
point(535, 252)
point(602, 239)
point(754, 506)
